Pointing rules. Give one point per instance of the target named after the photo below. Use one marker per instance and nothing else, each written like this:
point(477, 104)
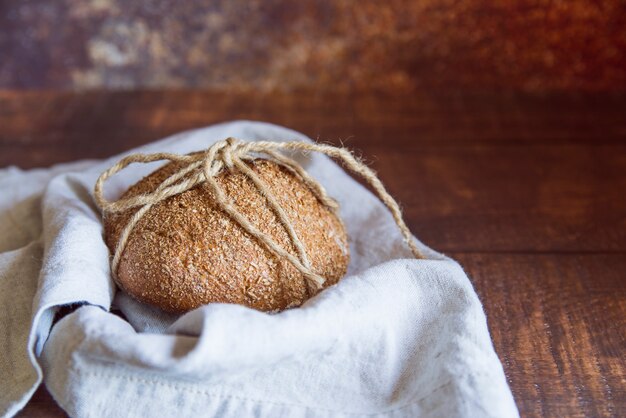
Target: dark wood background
point(527, 191)
point(270, 45)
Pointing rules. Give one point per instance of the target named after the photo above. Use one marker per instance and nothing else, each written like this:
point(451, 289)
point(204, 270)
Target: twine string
point(232, 154)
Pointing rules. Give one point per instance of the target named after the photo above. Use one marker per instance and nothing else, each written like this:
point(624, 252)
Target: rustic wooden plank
point(60, 117)
point(483, 192)
point(558, 323)
point(533, 198)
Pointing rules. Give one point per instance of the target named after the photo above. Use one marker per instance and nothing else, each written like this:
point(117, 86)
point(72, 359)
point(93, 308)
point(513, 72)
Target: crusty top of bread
point(186, 252)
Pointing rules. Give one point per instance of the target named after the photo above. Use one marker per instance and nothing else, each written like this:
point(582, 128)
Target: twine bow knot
point(231, 154)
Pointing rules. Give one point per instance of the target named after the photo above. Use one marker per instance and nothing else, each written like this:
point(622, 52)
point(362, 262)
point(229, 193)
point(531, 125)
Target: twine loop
point(232, 154)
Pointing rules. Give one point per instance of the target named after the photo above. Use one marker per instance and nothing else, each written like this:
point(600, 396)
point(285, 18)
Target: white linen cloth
point(396, 337)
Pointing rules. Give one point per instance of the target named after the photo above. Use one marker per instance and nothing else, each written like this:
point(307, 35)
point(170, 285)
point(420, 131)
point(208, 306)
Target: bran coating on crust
point(186, 252)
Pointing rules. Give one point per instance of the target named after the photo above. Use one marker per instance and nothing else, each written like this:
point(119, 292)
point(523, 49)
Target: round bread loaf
point(186, 252)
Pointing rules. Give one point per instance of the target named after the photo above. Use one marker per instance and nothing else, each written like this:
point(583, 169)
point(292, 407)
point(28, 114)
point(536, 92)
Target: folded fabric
point(396, 337)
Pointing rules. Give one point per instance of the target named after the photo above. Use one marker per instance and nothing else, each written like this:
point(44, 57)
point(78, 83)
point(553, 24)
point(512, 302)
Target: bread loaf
point(186, 252)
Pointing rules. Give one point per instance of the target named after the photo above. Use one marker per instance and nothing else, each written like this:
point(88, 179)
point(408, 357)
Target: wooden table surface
point(527, 192)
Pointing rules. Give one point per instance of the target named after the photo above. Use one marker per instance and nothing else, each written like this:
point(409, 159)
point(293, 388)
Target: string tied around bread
point(232, 154)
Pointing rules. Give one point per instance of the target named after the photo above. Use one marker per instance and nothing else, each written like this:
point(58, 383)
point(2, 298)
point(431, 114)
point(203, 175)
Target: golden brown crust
point(185, 252)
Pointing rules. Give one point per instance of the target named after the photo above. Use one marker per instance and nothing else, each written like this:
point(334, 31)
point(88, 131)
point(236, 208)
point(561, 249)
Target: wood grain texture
point(557, 322)
point(526, 191)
